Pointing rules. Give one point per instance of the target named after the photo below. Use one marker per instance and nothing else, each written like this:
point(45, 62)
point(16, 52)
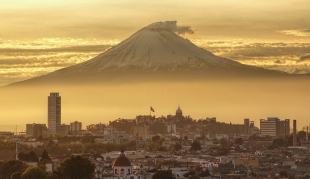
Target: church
point(122, 169)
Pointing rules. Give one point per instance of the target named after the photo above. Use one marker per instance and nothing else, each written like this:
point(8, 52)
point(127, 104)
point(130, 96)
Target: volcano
point(154, 52)
point(157, 67)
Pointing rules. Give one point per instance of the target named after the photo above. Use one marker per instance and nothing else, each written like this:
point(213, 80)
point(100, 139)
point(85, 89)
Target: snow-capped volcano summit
point(153, 48)
point(156, 51)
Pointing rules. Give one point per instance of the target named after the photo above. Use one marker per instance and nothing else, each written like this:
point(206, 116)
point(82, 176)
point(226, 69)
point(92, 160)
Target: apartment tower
point(54, 113)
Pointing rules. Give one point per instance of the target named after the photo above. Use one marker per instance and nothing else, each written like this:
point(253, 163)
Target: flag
point(152, 109)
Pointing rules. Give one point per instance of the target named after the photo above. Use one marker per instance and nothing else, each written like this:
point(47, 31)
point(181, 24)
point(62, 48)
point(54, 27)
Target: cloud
point(278, 62)
point(84, 48)
point(173, 27)
point(297, 32)
point(304, 57)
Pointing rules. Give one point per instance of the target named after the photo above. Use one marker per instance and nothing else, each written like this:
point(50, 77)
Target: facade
point(273, 126)
point(172, 128)
point(268, 127)
point(142, 132)
point(253, 162)
point(179, 114)
point(283, 127)
point(122, 169)
point(211, 119)
point(63, 130)
point(75, 126)
point(54, 113)
point(144, 119)
point(36, 130)
point(246, 126)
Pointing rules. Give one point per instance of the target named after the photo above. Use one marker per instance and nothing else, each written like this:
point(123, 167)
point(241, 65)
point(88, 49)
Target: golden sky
point(37, 37)
point(40, 36)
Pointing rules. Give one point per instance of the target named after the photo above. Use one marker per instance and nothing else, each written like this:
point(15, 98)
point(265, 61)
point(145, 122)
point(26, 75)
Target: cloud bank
point(173, 27)
point(304, 57)
point(297, 32)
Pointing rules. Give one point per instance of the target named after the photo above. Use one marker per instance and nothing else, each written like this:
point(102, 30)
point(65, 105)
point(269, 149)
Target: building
point(144, 119)
point(121, 169)
point(75, 126)
point(253, 162)
point(268, 127)
point(142, 132)
point(63, 130)
point(273, 126)
point(172, 128)
point(211, 119)
point(36, 130)
point(246, 126)
point(5, 135)
point(54, 113)
point(283, 127)
point(179, 114)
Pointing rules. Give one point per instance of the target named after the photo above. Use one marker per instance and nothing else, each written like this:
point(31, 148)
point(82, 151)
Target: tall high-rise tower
point(54, 113)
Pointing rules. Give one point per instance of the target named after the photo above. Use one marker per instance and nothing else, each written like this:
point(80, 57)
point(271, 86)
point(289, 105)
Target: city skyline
point(263, 34)
point(54, 120)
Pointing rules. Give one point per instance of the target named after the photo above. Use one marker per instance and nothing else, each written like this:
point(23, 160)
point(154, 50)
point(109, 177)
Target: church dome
point(178, 111)
point(121, 161)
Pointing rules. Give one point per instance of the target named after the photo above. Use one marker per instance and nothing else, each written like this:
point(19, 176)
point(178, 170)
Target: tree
point(10, 167)
point(87, 139)
point(163, 174)
point(283, 174)
point(195, 146)
point(156, 143)
point(279, 142)
point(77, 167)
point(190, 173)
point(16, 175)
point(204, 173)
point(239, 141)
point(156, 138)
point(177, 146)
point(33, 172)
point(45, 158)
point(223, 142)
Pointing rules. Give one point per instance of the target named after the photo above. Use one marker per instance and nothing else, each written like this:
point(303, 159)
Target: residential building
point(273, 126)
point(36, 130)
point(283, 127)
point(246, 126)
point(142, 132)
point(172, 128)
point(76, 126)
point(144, 119)
point(211, 119)
point(63, 130)
point(54, 113)
point(268, 127)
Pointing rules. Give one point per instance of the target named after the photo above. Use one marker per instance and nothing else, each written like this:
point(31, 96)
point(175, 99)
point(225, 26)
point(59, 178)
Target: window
point(128, 172)
point(116, 171)
point(122, 171)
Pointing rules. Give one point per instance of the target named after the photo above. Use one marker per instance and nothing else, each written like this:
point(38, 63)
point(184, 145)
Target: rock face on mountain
point(152, 52)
